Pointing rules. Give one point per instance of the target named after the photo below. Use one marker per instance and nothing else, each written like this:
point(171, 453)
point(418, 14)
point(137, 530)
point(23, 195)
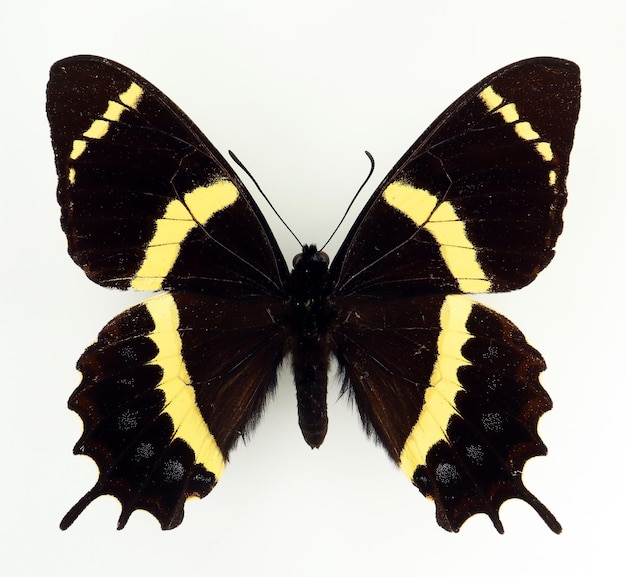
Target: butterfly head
point(310, 258)
point(310, 270)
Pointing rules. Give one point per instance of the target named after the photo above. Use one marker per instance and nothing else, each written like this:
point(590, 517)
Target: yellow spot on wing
point(129, 99)
point(523, 129)
point(114, 111)
point(491, 98)
point(448, 229)
point(439, 398)
point(180, 396)
point(78, 147)
point(132, 96)
point(545, 150)
point(97, 129)
point(178, 220)
point(509, 113)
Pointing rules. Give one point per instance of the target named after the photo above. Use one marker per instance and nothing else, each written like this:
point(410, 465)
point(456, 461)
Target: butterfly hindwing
point(475, 204)
point(451, 390)
point(146, 199)
point(167, 390)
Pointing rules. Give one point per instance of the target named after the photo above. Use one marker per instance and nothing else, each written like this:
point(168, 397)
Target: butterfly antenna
point(241, 165)
point(372, 165)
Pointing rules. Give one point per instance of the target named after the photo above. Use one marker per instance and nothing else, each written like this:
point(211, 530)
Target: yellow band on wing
point(180, 396)
point(448, 229)
point(129, 99)
point(439, 399)
point(178, 220)
point(493, 101)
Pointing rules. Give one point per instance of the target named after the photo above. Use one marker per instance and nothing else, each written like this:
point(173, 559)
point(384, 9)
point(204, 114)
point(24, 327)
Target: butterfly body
point(311, 316)
point(447, 386)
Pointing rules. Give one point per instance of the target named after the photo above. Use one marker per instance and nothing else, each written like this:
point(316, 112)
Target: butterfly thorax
point(310, 316)
point(309, 287)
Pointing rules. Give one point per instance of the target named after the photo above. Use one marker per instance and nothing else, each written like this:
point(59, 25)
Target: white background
point(298, 90)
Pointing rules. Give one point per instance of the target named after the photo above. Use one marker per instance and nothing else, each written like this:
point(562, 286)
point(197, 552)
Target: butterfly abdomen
point(310, 316)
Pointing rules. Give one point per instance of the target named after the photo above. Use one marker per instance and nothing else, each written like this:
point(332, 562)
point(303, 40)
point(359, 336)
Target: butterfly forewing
point(147, 202)
point(475, 204)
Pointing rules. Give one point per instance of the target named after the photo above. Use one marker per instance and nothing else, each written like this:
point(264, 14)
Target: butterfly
point(449, 387)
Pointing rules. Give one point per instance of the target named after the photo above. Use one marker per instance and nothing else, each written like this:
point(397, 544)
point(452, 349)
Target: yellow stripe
point(523, 129)
point(180, 396)
point(178, 220)
point(448, 229)
point(439, 399)
point(99, 127)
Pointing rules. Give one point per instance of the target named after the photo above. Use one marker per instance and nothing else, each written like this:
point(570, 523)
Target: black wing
point(475, 205)
point(449, 387)
point(168, 389)
point(148, 203)
point(451, 390)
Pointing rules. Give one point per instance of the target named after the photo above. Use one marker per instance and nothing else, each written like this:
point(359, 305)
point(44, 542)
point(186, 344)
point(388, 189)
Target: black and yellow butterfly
point(449, 387)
